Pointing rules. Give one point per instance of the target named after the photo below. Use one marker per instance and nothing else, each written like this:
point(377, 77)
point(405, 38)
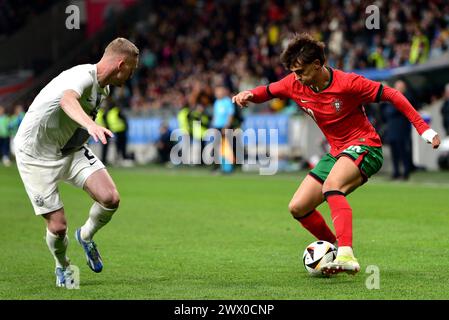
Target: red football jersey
point(338, 109)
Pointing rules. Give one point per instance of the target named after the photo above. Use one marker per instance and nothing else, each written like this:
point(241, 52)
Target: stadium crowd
point(187, 50)
point(188, 47)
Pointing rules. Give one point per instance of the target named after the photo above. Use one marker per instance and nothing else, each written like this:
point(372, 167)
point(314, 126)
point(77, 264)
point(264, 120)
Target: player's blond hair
point(122, 46)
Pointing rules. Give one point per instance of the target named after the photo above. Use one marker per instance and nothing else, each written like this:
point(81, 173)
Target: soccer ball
point(317, 254)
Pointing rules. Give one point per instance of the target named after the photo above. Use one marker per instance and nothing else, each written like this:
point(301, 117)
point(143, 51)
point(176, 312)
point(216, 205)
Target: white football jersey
point(46, 131)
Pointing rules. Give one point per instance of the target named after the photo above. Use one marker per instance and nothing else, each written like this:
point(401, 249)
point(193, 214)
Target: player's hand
point(242, 98)
point(99, 133)
point(436, 142)
point(431, 137)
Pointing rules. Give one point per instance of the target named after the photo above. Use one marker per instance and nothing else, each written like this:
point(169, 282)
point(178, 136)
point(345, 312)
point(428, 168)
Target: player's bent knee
point(292, 208)
point(56, 222)
point(330, 185)
point(296, 209)
point(58, 228)
point(110, 199)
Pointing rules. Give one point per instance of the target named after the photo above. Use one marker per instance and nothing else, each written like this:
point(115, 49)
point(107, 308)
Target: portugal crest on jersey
point(337, 104)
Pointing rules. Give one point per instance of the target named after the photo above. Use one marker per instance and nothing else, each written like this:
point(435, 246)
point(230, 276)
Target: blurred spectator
point(113, 118)
point(16, 119)
point(184, 127)
point(437, 49)
point(122, 96)
point(377, 59)
point(398, 136)
point(419, 50)
point(183, 120)
point(238, 118)
point(164, 144)
point(223, 109)
point(445, 110)
point(238, 147)
point(222, 120)
point(14, 122)
point(199, 120)
point(4, 137)
point(277, 105)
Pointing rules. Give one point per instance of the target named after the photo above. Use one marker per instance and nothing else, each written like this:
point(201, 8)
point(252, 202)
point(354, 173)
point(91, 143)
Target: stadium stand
point(189, 44)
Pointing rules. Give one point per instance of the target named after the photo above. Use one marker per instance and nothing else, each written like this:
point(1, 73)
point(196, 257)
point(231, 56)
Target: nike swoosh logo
point(304, 101)
point(92, 163)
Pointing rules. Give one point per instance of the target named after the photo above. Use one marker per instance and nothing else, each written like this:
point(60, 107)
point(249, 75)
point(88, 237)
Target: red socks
point(341, 214)
point(315, 224)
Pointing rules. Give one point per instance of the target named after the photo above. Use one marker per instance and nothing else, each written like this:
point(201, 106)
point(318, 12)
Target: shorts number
point(87, 154)
point(356, 149)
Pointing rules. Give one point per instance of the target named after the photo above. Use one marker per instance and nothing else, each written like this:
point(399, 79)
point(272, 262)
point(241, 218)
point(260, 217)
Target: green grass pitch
point(187, 234)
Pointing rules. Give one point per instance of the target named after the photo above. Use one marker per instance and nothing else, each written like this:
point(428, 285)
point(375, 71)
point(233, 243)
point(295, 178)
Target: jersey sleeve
point(278, 89)
point(78, 80)
point(403, 105)
point(366, 90)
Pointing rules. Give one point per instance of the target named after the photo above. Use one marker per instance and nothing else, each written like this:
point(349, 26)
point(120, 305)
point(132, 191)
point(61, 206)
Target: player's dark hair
point(305, 48)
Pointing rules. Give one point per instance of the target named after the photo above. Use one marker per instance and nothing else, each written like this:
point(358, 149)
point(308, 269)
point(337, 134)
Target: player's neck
point(322, 81)
point(103, 74)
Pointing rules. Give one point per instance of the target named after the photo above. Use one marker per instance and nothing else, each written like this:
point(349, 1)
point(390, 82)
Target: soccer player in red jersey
point(334, 99)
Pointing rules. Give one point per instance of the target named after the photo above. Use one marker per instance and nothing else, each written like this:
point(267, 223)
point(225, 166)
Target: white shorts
point(41, 177)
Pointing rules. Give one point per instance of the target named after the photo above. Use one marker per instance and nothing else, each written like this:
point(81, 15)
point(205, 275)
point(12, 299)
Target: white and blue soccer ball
point(317, 254)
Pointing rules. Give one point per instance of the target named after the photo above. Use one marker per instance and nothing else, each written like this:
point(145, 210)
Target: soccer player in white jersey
point(51, 147)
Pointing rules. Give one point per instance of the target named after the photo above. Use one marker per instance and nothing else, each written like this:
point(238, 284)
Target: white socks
point(345, 251)
point(98, 217)
point(58, 248)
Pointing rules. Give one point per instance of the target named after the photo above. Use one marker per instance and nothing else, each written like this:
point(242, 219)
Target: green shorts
point(368, 159)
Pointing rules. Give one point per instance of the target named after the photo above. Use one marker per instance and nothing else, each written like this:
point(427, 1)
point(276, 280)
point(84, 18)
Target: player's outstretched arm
point(278, 89)
point(402, 104)
point(69, 103)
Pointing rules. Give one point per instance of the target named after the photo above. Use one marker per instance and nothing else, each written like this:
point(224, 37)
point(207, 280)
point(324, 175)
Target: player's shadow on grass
point(343, 279)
